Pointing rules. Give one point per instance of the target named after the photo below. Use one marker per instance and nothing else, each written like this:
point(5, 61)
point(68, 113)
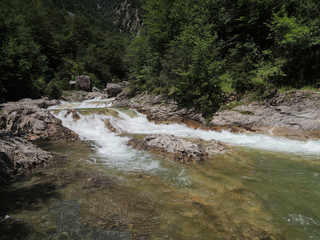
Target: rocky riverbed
point(294, 115)
point(105, 188)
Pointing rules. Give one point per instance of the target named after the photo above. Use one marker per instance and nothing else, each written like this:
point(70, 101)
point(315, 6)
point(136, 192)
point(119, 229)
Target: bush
point(54, 91)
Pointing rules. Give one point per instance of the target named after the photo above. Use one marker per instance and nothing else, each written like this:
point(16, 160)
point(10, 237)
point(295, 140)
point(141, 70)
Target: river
point(262, 188)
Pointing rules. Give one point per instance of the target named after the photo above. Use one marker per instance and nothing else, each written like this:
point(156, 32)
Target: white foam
point(92, 127)
point(92, 103)
point(141, 125)
point(111, 149)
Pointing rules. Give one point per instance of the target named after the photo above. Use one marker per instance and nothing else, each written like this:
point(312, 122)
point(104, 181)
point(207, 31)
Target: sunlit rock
point(19, 156)
point(160, 108)
point(294, 114)
point(179, 149)
point(32, 120)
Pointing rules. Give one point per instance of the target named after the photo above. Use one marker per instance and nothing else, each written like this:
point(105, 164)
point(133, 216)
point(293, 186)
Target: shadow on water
point(26, 198)
point(40, 211)
point(23, 198)
point(12, 229)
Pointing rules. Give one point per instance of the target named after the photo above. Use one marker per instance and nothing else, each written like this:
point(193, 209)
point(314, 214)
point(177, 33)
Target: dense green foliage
point(45, 43)
point(198, 50)
point(194, 51)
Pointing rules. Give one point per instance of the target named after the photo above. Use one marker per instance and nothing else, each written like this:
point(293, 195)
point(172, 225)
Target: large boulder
point(83, 82)
point(19, 156)
point(180, 150)
point(32, 120)
point(114, 89)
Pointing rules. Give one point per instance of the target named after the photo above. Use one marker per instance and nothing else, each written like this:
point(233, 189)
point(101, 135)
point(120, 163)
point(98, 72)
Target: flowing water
point(263, 188)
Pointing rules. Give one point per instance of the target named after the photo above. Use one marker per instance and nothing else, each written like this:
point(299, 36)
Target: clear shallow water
point(265, 187)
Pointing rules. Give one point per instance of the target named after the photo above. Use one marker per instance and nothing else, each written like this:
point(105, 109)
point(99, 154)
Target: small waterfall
point(111, 149)
point(92, 127)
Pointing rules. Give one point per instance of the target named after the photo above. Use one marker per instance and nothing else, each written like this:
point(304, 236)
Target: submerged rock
point(18, 156)
point(32, 120)
point(180, 150)
point(74, 113)
point(108, 125)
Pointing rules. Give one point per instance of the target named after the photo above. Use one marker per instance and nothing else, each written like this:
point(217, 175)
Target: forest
point(196, 52)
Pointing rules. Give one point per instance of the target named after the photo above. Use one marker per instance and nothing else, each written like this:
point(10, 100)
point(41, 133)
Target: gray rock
point(180, 150)
point(294, 114)
point(159, 108)
point(95, 89)
point(19, 156)
point(77, 96)
point(32, 120)
point(3, 122)
point(114, 89)
point(213, 147)
point(83, 82)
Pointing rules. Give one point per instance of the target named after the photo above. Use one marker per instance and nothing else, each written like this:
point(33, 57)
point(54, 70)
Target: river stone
point(83, 82)
point(108, 124)
point(181, 150)
point(32, 120)
point(19, 156)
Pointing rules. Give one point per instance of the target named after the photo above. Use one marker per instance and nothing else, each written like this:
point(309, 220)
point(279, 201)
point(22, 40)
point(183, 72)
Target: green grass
point(310, 88)
point(304, 88)
point(231, 105)
point(246, 112)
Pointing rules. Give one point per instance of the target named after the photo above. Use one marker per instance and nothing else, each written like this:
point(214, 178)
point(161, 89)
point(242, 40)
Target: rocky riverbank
point(294, 114)
point(159, 108)
point(31, 120)
point(18, 156)
point(26, 120)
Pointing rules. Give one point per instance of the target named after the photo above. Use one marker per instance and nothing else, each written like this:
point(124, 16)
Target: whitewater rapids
point(92, 127)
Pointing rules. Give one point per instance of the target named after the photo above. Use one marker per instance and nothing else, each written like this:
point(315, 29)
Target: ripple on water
point(249, 194)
